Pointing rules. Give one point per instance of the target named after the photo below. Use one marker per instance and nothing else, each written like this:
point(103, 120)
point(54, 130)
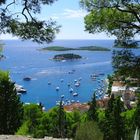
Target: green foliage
point(113, 125)
point(126, 64)
point(110, 82)
point(126, 44)
point(11, 110)
point(137, 114)
point(57, 48)
point(119, 18)
point(88, 131)
point(129, 123)
point(92, 112)
point(24, 24)
point(93, 48)
point(32, 115)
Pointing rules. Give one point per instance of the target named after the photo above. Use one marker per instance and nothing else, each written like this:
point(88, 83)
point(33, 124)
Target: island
point(93, 48)
point(86, 48)
point(57, 48)
point(67, 56)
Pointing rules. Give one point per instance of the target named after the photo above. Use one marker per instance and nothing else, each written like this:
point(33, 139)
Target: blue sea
point(23, 59)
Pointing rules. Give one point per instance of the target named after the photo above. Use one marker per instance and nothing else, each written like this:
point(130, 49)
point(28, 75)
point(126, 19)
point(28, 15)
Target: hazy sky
point(70, 16)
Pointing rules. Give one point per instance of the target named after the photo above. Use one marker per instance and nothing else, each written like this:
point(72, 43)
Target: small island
point(86, 48)
point(57, 48)
point(68, 56)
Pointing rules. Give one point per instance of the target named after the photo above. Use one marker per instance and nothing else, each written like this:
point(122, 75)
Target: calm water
point(23, 59)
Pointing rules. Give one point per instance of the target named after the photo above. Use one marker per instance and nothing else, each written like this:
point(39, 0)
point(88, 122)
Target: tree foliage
point(24, 23)
point(126, 63)
point(11, 111)
point(92, 112)
point(88, 131)
point(113, 125)
point(137, 114)
point(116, 17)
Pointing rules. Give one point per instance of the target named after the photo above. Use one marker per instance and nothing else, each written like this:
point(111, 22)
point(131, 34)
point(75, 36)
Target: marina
point(49, 80)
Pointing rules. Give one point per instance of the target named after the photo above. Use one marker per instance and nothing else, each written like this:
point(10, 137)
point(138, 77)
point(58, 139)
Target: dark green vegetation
point(126, 66)
point(55, 122)
point(128, 44)
point(23, 23)
point(11, 110)
point(87, 48)
point(57, 48)
point(120, 18)
point(93, 48)
point(67, 56)
point(88, 131)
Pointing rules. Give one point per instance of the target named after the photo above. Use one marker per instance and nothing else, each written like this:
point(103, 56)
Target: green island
point(86, 48)
point(68, 56)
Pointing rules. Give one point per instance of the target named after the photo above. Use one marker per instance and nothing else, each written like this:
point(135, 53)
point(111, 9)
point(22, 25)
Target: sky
point(70, 16)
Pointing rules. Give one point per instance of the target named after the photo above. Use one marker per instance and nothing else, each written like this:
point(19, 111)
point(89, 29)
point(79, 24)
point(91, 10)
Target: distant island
point(86, 48)
point(68, 56)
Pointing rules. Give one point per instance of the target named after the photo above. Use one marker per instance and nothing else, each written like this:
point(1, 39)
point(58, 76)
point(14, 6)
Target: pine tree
point(92, 112)
point(61, 121)
point(137, 114)
point(11, 111)
point(113, 126)
point(118, 120)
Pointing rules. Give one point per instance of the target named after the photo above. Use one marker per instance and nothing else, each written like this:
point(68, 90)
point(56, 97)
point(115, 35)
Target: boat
point(20, 89)
point(27, 78)
point(57, 103)
point(80, 78)
point(49, 83)
point(19, 94)
point(75, 94)
point(57, 88)
point(72, 101)
point(102, 74)
point(70, 72)
point(75, 80)
point(63, 61)
point(77, 84)
point(69, 84)
point(71, 90)
point(62, 96)
point(62, 80)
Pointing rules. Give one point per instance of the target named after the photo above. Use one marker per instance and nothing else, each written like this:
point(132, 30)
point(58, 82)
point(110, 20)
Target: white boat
point(75, 80)
point(57, 88)
point(62, 96)
point(57, 103)
point(20, 89)
point(77, 84)
point(49, 83)
point(71, 90)
point(75, 94)
point(72, 101)
point(63, 61)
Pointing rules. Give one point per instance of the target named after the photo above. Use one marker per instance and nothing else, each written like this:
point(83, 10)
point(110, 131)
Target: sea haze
point(24, 59)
